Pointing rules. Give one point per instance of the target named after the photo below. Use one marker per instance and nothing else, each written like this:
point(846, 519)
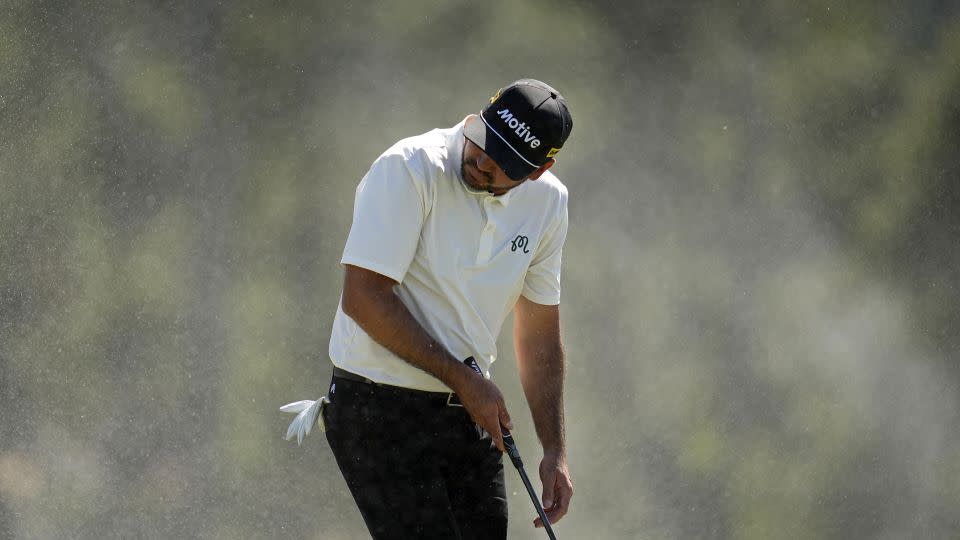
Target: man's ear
point(543, 168)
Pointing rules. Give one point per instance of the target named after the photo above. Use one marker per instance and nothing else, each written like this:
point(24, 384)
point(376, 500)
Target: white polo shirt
point(461, 257)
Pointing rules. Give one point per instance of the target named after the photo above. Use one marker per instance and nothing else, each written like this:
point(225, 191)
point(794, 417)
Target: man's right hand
point(483, 401)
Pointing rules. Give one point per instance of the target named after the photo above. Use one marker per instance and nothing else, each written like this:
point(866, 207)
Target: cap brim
point(490, 142)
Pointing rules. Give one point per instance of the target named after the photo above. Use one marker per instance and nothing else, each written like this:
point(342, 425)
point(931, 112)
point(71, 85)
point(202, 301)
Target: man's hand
point(557, 487)
point(483, 401)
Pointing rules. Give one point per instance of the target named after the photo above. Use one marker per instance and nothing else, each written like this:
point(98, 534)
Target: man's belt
point(449, 399)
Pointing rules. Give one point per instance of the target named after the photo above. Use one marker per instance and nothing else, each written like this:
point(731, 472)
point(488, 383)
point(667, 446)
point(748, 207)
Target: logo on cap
point(518, 127)
point(552, 152)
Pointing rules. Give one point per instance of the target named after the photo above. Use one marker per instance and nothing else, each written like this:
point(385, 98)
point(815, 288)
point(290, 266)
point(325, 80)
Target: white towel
point(307, 413)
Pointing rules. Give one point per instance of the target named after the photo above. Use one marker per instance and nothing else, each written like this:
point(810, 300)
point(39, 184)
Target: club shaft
point(536, 503)
point(514, 454)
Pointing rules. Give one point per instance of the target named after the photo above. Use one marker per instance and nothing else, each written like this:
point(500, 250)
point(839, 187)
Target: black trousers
point(417, 468)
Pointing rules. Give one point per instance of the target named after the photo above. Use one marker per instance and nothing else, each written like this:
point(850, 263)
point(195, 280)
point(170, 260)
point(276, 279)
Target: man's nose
point(485, 164)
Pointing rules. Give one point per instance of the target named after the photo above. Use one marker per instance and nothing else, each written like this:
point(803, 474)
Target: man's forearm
point(369, 300)
point(541, 368)
point(540, 362)
point(384, 317)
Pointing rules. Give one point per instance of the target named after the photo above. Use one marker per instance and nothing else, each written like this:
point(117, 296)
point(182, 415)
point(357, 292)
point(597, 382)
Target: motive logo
point(518, 127)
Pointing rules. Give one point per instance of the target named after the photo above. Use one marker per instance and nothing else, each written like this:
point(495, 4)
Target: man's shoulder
point(421, 153)
point(551, 182)
point(549, 187)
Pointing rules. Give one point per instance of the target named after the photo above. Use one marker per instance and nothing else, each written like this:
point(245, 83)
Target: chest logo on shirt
point(520, 242)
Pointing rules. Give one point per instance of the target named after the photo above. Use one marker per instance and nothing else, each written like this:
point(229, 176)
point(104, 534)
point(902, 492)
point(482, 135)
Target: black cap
point(523, 126)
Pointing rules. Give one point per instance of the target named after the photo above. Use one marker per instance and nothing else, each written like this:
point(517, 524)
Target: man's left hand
point(557, 487)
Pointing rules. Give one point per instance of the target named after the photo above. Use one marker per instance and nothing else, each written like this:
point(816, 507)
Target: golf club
point(518, 463)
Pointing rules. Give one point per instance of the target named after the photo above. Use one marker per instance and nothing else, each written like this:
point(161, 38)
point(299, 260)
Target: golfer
point(452, 230)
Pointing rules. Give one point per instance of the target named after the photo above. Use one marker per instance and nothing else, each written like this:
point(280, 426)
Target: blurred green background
point(760, 280)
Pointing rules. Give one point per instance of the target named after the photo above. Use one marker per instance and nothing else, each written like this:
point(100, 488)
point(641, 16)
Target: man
point(452, 230)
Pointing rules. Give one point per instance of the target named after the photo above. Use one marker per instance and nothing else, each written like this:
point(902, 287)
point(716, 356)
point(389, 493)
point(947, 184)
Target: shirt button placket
point(486, 237)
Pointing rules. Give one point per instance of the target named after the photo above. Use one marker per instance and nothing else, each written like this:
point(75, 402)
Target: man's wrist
point(454, 373)
point(557, 452)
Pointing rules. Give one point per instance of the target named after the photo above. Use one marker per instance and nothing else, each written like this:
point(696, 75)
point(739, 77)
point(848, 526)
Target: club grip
point(511, 447)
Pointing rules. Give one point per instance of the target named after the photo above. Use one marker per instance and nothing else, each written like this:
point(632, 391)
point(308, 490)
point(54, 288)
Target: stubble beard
point(485, 183)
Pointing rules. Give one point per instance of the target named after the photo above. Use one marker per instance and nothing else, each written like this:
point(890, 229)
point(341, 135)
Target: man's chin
point(471, 180)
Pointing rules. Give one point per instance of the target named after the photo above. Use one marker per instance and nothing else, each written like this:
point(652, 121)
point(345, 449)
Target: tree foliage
point(760, 278)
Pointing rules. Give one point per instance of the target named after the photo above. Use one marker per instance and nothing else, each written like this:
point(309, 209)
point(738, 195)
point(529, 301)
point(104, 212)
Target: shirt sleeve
point(388, 214)
point(542, 282)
